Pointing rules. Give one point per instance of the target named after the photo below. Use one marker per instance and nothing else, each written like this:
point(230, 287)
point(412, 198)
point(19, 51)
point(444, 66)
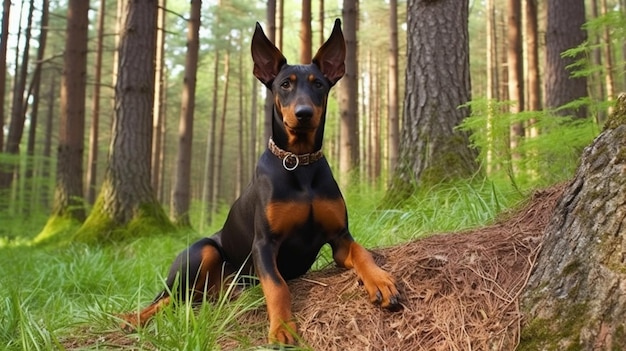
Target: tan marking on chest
point(285, 216)
point(330, 214)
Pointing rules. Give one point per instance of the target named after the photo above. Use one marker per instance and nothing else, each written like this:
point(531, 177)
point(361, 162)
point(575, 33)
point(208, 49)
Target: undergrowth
point(63, 297)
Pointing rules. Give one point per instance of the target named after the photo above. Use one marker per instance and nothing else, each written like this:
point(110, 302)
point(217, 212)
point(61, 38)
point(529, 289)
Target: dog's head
point(300, 91)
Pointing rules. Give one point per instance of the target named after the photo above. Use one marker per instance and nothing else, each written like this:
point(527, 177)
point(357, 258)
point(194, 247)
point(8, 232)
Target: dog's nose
point(303, 112)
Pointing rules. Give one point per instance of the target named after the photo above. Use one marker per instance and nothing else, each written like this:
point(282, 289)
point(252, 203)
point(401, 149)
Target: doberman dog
point(293, 205)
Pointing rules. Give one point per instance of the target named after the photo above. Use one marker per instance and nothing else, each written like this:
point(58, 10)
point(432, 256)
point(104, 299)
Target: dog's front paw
point(382, 290)
point(283, 333)
point(129, 323)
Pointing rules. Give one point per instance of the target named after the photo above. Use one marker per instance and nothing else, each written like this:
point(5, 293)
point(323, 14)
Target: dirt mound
point(460, 291)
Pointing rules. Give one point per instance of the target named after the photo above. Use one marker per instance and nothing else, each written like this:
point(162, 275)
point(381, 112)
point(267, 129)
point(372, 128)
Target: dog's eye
point(317, 84)
point(285, 85)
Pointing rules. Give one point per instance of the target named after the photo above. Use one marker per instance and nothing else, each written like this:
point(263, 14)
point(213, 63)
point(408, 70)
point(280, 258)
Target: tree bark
point(564, 31)
point(437, 85)
point(576, 294)
point(127, 205)
point(69, 189)
point(18, 112)
point(515, 66)
point(392, 86)
point(347, 94)
point(4, 36)
point(305, 33)
point(181, 199)
point(92, 159)
point(159, 113)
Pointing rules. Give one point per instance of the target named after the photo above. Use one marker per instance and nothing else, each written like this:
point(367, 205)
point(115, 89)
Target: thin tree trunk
point(47, 144)
point(515, 67)
point(596, 84)
point(34, 91)
point(305, 33)
point(532, 54)
point(4, 36)
point(492, 79)
point(321, 21)
point(158, 118)
point(18, 113)
point(69, 189)
point(218, 184)
point(392, 87)
point(212, 144)
point(608, 57)
point(347, 92)
point(181, 198)
point(269, 102)
point(92, 159)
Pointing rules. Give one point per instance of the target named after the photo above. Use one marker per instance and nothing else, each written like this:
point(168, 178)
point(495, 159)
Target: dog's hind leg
point(197, 271)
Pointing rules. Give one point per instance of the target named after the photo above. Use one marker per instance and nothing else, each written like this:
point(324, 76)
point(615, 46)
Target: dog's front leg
point(380, 285)
point(277, 296)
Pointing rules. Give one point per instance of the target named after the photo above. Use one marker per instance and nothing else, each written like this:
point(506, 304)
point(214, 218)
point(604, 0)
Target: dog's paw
point(382, 290)
point(129, 322)
point(283, 333)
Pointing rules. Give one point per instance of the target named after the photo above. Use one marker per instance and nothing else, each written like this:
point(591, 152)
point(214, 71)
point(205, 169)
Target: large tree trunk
point(576, 295)
point(437, 85)
point(565, 19)
point(181, 198)
point(127, 205)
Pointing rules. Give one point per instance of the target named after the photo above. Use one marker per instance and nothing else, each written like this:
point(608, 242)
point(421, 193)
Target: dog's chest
point(286, 216)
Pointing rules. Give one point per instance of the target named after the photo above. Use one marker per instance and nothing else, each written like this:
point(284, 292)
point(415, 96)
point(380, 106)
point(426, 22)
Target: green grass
point(50, 295)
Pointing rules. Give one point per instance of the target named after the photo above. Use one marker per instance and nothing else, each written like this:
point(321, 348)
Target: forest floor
point(460, 292)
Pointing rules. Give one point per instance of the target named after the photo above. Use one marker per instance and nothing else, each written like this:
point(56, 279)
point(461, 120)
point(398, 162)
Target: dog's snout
point(303, 112)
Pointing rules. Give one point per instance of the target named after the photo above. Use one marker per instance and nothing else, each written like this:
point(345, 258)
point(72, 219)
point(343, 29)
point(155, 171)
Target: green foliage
point(55, 296)
point(549, 157)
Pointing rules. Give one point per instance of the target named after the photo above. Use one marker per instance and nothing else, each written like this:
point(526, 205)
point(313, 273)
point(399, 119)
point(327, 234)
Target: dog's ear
point(268, 60)
point(331, 56)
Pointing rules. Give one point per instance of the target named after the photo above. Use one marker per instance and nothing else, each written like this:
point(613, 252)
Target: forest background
point(522, 140)
point(229, 132)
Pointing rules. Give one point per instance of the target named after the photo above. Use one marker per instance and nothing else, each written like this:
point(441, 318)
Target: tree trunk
point(127, 205)
point(211, 190)
point(34, 91)
point(347, 94)
point(159, 113)
point(182, 184)
point(18, 112)
point(305, 33)
point(515, 67)
point(268, 106)
point(608, 56)
point(565, 19)
point(219, 171)
point(532, 54)
point(69, 189)
point(92, 159)
point(4, 36)
point(392, 86)
point(576, 294)
point(437, 84)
